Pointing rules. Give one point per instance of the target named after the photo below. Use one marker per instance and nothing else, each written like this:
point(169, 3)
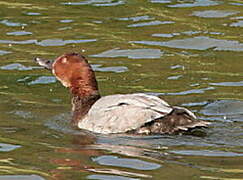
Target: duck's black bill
point(44, 63)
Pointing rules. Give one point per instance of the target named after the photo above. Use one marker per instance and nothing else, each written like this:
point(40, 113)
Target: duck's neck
point(84, 95)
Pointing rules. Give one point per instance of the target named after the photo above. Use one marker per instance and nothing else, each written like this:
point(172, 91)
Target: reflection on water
point(60, 42)
point(230, 84)
point(18, 66)
point(214, 13)
point(136, 18)
point(48, 42)
point(237, 4)
point(186, 52)
point(117, 69)
point(132, 53)
point(97, 3)
point(33, 13)
point(21, 177)
point(182, 4)
point(188, 33)
point(207, 153)
point(8, 147)
point(198, 43)
point(237, 24)
point(160, 1)
point(4, 52)
point(224, 107)
point(43, 80)
point(126, 162)
point(151, 23)
point(22, 114)
point(110, 177)
point(19, 33)
point(196, 3)
point(174, 77)
point(9, 23)
point(66, 21)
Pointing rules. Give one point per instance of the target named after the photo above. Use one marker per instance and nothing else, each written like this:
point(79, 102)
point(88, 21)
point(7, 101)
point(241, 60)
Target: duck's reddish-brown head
point(73, 71)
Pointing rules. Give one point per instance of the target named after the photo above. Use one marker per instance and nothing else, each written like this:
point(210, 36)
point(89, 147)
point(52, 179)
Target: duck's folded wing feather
point(121, 113)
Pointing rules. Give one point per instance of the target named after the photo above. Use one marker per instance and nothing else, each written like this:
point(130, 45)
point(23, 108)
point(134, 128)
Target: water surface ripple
point(186, 52)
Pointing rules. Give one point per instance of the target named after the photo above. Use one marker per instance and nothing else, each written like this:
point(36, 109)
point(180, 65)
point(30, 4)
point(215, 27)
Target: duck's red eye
point(64, 60)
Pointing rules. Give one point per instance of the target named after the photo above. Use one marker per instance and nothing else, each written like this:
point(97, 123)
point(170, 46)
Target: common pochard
point(137, 113)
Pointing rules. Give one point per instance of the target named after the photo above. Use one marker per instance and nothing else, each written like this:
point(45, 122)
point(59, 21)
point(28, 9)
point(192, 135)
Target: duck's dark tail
point(178, 120)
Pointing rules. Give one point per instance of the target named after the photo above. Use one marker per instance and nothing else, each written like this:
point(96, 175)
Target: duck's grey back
point(121, 113)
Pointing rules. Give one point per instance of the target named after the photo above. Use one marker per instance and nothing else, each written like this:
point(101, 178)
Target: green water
point(186, 52)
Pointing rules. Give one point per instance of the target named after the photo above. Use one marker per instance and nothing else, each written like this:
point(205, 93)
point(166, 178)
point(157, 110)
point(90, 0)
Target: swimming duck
point(137, 113)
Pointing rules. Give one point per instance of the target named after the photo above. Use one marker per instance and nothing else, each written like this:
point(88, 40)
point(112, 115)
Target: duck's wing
point(122, 113)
